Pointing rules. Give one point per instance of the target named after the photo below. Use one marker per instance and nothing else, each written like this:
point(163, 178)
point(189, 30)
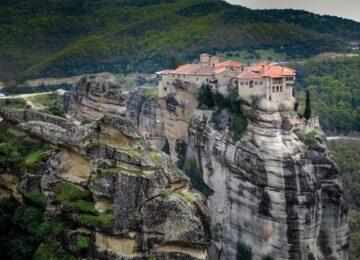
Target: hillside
point(335, 93)
point(67, 37)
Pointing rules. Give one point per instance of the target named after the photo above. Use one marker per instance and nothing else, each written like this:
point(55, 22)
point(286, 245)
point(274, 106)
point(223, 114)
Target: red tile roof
point(194, 69)
point(219, 71)
point(162, 72)
point(273, 71)
point(230, 63)
point(248, 74)
point(296, 121)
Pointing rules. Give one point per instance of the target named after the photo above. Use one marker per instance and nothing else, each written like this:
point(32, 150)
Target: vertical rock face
point(95, 96)
point(145, 112)
point(272, 191)
point(276, 189)
point(104, 183)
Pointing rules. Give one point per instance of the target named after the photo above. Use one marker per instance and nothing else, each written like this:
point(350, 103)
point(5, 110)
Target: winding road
point(27, 97)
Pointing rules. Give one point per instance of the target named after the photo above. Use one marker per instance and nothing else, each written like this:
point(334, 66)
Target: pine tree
point(307, 112)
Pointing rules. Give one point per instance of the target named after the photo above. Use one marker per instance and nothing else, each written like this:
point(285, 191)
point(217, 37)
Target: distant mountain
point(65, 37)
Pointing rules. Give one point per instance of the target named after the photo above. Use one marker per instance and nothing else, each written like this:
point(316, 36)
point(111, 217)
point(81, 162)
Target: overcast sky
point(343, 8)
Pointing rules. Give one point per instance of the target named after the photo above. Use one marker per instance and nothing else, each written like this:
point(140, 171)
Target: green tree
point(174, 62)
point(307, 113)
point(244, 251)
point(205, 98)
point(166, 147)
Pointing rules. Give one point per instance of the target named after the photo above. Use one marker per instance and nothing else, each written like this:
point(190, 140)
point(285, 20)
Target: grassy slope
point(66, 37)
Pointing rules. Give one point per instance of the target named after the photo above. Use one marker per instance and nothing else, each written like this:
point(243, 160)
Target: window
point(197, 79)
point(261, 82)
point(242, 83)
point(273, 89)
point(251, 84)
point(280, 88)
point(178, 76)
point(168, 82)
point(277, 88)
point(277, 81)
point(165, 89)
point(256, 83)
point(246, 83)
point(173, 75)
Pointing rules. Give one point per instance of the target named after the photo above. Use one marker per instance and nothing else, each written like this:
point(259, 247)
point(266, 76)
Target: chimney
point(204, 59)
point(214, 60)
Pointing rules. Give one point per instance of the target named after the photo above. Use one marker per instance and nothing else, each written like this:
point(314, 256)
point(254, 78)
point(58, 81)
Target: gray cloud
point(346, 8)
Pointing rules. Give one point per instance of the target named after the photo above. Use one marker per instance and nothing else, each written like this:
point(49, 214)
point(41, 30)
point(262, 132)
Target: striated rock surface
point(103, 181)
point(277, 189)
point(277, 193)
point(95, 96)
point(143, 109)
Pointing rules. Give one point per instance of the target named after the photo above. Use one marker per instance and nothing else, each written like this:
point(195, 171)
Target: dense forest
point(334, 84)
point(347, 154)
point(66, 37)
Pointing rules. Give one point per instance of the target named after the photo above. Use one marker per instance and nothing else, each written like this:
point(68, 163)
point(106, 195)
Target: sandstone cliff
point(109, 188)
point(276, 190)
point(94, 96)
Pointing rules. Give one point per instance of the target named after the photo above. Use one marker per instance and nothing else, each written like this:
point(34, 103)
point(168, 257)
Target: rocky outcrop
point(178, 108)
point(277, 189)
point(95, 96)
point(274, 191)
point(105, 182)
point(143, 109)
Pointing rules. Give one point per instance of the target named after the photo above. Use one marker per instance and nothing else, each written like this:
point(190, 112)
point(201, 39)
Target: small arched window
point(273, 89)
point(277, 89)
point(251, 84)
point(281, 88)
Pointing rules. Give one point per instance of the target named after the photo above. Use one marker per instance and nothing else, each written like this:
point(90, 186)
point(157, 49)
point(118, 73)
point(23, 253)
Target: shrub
point(82, 242)
point(205, 97)
point(311, 138)
point(34, 158)
point(81, 205)
point(166, 147)
point(102, 220)
point(16, 103)
point(93, 145)
point(46, 100)
point(244, 251)
point(55, 111)
point(216, 232)
point(268, 257)
point(180, 149)
point(36, 197)
point(192, 170)
point(238, 125)
point(87, 121)
point(155, 158)
point(68, 191)
point(216, 119)
point(186, 196)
